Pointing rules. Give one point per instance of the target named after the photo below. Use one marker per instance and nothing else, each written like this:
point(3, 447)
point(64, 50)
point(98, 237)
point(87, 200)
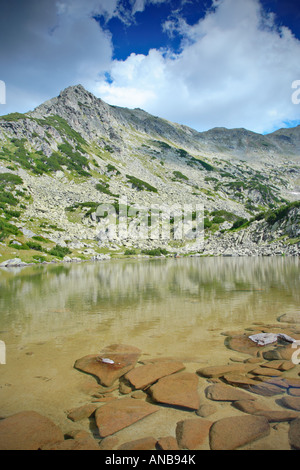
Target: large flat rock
point(237, 431)
point(177, 390)
point(123, 358)
point(120, 414)
point(28, 430)
point(141, 377)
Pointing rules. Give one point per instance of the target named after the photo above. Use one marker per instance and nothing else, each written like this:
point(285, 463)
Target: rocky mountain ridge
point(74, 152)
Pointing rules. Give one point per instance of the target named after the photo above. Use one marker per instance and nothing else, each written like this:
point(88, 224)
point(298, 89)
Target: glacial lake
point(51, 315)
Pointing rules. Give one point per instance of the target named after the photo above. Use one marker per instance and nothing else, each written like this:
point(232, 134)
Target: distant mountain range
point(74, 152)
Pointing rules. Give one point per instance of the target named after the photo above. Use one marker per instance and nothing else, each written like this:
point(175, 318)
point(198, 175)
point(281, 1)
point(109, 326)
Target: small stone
point(291, 402)
point(219, 371)
point(85, 411)
point(236, 431)
point(124, 389)
point(249, 406)
point(191, 433)
point(294, 434)
point(278, 416)
point(138, 394)
point(206, 410)
point(267, 372)
point(109, 443)
point(167, 443)
point(147, 443)
point(222, 392)
point(294, 392)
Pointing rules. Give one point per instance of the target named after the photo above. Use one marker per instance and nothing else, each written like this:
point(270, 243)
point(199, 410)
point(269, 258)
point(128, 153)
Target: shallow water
point(52, 315)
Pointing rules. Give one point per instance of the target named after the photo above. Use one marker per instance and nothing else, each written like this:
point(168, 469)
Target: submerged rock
point(220, 392)
point(294, 434)
point(120, 414)
point(147, 443)
point(28, 430)
point(177, 390)
point(236, 431)
point(124, 359)
point(191, 433)
point(141, 377)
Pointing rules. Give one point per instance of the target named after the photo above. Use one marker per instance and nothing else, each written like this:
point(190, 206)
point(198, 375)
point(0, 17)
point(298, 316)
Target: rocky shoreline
point(259, 388)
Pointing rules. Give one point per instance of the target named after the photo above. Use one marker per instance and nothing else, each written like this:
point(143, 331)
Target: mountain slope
point(75, 152)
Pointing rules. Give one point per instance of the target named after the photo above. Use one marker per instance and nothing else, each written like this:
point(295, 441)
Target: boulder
point(141, 377)
point(237, 431)
point(113, 362)
point(28, 430)
point(177, 390)
point(191, 433)
point(119, 414)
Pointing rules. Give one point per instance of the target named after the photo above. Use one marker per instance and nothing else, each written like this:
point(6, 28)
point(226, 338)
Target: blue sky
point(203, 63)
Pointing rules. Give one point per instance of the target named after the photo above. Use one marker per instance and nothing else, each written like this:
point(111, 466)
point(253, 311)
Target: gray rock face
point(234, 171)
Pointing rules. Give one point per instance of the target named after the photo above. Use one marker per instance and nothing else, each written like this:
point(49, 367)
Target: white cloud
point(235, 69)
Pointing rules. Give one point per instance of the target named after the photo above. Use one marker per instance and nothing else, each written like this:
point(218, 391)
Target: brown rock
point(278, 416)
point(109, 443)
point(119, 414)
point(249, 406)
point(279, 382)
point(177, 390)
point(124, 357)
point(294, 392)
point(266, 389)
point(124, 388)
point(279, 364)
point(290, 318)
point(292, 382)
point(294, 434)
point(138, 395)
point(291, 402)
point(238, 380)
point(206, 410)
point(147, 443)
point(82, 412)
point(28, 430)
point(242, 343)
point(236, 431)
point(219, 371)
point(141, 377)
point(191, 433)
point(87, 443)
point(167, 443)
point(222, 392)
point(104, 399)
point(267, 372)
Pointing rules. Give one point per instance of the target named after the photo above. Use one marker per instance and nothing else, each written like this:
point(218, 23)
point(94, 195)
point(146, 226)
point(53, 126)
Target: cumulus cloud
point(235, 69)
